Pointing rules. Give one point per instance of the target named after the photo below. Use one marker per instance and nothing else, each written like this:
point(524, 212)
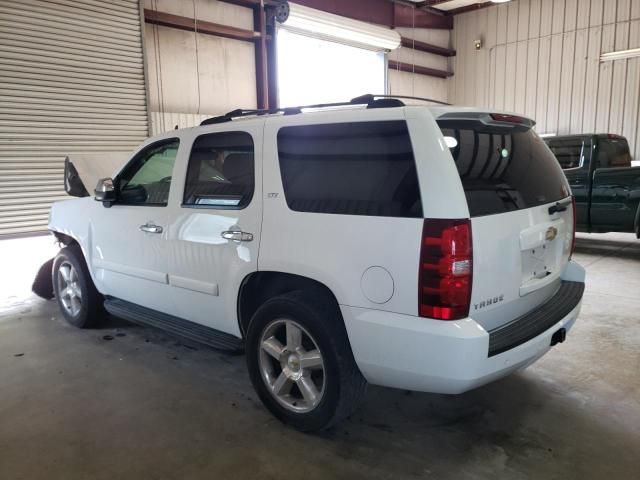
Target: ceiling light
point(500, 1)
point(620, 55)
point(449, 5)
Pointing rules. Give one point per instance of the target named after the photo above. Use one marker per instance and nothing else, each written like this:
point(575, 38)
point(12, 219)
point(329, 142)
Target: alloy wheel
point(292, 366)
point(69, 289)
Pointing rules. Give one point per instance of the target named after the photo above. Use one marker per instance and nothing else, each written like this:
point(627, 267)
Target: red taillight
point(575, 214)
point(446, 268)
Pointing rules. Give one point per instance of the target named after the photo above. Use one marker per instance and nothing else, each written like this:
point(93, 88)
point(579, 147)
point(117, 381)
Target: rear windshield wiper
point(559, 207)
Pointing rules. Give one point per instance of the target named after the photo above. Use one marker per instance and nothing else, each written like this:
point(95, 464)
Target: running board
point(173, 325)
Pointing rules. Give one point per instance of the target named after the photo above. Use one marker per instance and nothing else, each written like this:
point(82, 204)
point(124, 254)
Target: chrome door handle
point(151, 228)
point(237, 235)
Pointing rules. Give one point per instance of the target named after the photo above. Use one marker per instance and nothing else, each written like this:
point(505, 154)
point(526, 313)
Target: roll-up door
point(71, 81)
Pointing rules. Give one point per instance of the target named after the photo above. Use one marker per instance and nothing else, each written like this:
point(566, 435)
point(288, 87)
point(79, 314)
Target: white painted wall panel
point(523, 20)
point(559, 12)
point(533, 57)
point(542, 58)
point(603, 105)
point(566, 82)
point(579, 80)
point(208, 10)
point(521, 77)
point(555, 71)
point(407, 83)
point(416, 57)
point(216, 77)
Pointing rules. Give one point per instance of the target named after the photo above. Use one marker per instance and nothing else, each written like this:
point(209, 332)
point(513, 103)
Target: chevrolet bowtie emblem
point(552, 232)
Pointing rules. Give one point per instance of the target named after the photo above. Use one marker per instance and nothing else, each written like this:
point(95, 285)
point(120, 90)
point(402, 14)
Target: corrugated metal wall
point(541, 58)
point(71, 81)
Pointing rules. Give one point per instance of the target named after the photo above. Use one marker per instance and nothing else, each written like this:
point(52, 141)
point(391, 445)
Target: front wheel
point(300, 361)
point(81, 304)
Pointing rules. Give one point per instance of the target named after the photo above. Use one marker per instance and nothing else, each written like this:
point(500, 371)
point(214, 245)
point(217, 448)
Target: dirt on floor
point(125, 401)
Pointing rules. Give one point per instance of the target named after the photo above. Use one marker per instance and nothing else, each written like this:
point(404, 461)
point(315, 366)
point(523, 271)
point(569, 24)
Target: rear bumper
point(414, 353)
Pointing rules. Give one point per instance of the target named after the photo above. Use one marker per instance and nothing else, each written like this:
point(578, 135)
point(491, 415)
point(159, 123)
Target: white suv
point(418, 247)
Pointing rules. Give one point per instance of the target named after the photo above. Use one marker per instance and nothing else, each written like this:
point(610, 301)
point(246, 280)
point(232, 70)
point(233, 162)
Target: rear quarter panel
point(337, 250)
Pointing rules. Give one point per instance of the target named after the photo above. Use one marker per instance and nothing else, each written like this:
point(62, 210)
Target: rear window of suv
point(360, 168)
point(503, 169)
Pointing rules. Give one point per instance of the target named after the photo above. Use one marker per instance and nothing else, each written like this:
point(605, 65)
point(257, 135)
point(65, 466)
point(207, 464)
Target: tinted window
point(147, 178)
point(570, 152)
point(504, 169)
point(613, 152)
point(364, 168)
point(220, 172)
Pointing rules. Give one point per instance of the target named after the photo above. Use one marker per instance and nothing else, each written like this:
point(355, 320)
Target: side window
point(147, 178)
point(569, 152)
point(613, 152)
point(221, 171)
point(364, 168)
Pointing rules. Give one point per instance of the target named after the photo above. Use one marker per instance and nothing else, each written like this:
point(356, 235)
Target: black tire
point(91, 311)
point(344, 386)
point(42, 284)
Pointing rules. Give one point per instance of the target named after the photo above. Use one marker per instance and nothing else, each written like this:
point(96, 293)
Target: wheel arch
point(258, 287)
point(67, 240)
point(64, 239)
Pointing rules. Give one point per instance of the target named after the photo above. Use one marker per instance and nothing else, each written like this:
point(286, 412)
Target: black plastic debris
point(43, 283)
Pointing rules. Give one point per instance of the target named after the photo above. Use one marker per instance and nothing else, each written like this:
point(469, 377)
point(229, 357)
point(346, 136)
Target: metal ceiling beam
point(261, 56)
point(381, 12)
point(471, 8)
point(243, 3)
point(408, 67)
point(209, 28)
point(427, 47)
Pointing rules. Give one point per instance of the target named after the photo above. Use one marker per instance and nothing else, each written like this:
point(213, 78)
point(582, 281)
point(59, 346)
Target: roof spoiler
point(490, 119)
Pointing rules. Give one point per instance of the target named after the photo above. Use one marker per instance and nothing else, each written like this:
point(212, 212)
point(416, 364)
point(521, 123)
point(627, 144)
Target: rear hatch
point(521, 213)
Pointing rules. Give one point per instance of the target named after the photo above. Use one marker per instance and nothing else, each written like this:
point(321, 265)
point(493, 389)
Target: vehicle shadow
point(519, 427)
point(598, 246)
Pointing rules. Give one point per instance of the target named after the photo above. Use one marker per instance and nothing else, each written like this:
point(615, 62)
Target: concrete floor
point(74, 405)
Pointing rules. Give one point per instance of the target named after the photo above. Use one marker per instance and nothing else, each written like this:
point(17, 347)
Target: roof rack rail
point(371, 101)
point(405, 97)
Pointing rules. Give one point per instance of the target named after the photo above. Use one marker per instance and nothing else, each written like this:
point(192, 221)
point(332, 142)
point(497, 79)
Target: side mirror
point(105, 192)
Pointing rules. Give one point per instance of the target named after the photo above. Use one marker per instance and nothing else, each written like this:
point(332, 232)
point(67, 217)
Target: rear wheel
point(301, 363)
point(79, 301)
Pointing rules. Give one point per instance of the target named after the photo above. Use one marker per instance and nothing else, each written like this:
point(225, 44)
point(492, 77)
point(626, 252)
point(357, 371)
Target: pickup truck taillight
point(446, 269)
point(575, 215)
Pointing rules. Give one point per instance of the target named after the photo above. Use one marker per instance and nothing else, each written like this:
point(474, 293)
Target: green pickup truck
point(605, 185)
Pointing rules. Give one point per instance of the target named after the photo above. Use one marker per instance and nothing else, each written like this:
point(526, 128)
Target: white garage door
point(71, 81)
